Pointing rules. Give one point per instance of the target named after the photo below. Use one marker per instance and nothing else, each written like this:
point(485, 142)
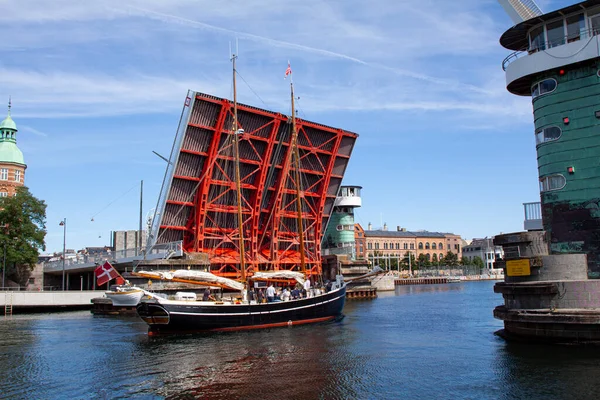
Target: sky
point(96, 87)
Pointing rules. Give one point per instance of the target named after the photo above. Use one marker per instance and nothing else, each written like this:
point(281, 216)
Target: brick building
point(396, 244)
point(12, 164)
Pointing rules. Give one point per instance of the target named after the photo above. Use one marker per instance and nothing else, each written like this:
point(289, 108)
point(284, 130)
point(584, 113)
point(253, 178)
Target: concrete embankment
point(48, 301)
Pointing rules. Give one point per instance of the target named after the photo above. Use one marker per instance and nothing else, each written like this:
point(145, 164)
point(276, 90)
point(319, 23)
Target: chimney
point(369, 227)
point(403, 229)
point(385, 226)
point(398, 228)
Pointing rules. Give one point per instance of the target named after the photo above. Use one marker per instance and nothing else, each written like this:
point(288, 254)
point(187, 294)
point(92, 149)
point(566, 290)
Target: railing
point(581, 35)
point(158, 251)
point(533, 216)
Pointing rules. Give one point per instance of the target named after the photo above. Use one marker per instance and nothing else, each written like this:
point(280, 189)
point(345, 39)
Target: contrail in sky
point(280, 43)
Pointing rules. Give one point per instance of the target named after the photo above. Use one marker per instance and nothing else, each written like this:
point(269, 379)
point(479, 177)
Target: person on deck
point(207, 296)
point(307, 288)
point(285, 294)
point(270, 293)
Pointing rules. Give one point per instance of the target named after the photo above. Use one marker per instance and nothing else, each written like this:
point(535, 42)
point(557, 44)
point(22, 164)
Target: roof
point(8, 123)
point(10, 153)
point(516, 37)
point(426, 234)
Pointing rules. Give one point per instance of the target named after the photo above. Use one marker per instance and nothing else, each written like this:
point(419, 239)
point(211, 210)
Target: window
point(412, 246)
point(385, 246)
point(370, 246)
point(433, 246)
point(405, 246)
point(339, 227)
point(543, 87)
point(547, 134)
point(3, 194)
point(441, 246)
point(556, 33)
point(575, 27)
point(17, 175)
point(594, 23)
point(536, 40)
point(397, 246)
point(376, 246)
point(420, 245)
point(441, 256)
point(552, 182)
point(4, 174)
point(427, 246)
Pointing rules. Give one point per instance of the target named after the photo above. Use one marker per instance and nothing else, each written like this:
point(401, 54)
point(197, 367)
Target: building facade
point(484, 249)
point(12, 163)
point(396, 244)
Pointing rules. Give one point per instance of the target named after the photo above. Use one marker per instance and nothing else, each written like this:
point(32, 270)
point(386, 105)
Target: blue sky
point(96, 86)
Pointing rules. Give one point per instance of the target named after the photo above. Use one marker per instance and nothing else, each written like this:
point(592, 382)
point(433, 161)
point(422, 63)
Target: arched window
point(427, 257)
point(552, 182)
point(376, 246)
point(547, 134)
point(397, 246)
point(385, 246)
point(441, 247)
point(420, 245)
point(412, 246)
point(433, 246)
point(441, 256)
point(543, 87)
point(405, 246)
point(427, 246)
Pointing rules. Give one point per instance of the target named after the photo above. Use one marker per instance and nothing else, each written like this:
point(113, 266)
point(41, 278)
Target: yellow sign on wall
point(518, 267)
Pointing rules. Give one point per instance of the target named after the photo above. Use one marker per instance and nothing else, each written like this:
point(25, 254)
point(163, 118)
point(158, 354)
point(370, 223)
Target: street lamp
point(63, 223)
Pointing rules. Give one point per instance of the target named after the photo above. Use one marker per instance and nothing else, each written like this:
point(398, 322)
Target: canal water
point(419, 342)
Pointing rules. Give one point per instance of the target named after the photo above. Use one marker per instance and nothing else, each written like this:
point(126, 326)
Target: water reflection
point(549, 372)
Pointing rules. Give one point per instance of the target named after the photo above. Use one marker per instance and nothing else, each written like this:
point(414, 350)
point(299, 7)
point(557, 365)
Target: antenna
point(520, 10)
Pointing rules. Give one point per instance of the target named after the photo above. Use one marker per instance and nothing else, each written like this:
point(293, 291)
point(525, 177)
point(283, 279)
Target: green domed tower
point(12, 164)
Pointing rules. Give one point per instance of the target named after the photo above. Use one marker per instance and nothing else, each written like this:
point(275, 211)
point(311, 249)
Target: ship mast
point(296, 152)
point(236, 134)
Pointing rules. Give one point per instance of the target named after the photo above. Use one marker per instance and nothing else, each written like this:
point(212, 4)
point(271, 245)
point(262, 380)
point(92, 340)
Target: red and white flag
point(105, 273)
point(288, 71)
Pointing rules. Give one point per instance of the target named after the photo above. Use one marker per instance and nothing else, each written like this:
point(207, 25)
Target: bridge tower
point(556, 62)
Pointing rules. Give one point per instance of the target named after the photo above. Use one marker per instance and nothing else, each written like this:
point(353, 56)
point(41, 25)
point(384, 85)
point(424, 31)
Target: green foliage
point(404, 262)
point(465, 261)
point(478, 261)
point(22, 230)
point(451, 259)
point(423, 260)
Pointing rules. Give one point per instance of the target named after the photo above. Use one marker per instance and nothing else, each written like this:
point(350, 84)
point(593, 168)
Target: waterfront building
point(12, 163)
point(339, 236)
point(383, 243)
point(484, 249)
point(552, 287)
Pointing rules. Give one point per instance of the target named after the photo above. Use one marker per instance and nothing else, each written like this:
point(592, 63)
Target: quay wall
point(49, 300)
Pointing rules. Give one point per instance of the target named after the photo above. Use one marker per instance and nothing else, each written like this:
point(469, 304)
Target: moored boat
point(176, 316)
point(125, 296)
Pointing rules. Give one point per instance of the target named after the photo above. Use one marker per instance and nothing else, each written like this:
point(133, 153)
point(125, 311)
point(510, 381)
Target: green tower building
point(12, 164)
point(339, 235)
point(552, 290)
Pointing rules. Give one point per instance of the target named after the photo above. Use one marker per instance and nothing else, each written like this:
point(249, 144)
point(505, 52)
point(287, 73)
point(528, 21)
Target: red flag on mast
point(288, 71)
point(105, 273)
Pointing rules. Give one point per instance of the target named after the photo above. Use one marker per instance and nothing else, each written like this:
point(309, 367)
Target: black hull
point(166, 316)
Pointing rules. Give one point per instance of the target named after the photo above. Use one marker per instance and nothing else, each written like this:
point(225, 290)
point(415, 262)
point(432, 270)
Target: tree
point(478, 262)
point(465, 261)
point(404, 261)
point(451, 259)
point(423, 260)
point(22, 233)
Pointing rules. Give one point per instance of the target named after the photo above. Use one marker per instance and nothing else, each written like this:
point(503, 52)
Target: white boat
point(125, 296)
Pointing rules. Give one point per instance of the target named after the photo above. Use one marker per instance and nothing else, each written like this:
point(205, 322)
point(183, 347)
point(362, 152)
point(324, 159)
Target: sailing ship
point(235, 249)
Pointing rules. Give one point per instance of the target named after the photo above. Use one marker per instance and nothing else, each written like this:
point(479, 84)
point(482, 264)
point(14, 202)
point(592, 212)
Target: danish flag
point(288, 71)
point(105, 273)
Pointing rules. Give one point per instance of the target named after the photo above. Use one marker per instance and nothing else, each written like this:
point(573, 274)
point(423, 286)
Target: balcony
point(533, 216)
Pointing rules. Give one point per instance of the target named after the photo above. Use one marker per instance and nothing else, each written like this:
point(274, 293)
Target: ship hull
point(168, 316)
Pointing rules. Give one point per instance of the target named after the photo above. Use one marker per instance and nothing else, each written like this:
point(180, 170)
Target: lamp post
point(3, 265)
point(63, 223)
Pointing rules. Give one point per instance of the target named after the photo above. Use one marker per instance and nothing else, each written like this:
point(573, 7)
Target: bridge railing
point(533, 216)
point(156, 252)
